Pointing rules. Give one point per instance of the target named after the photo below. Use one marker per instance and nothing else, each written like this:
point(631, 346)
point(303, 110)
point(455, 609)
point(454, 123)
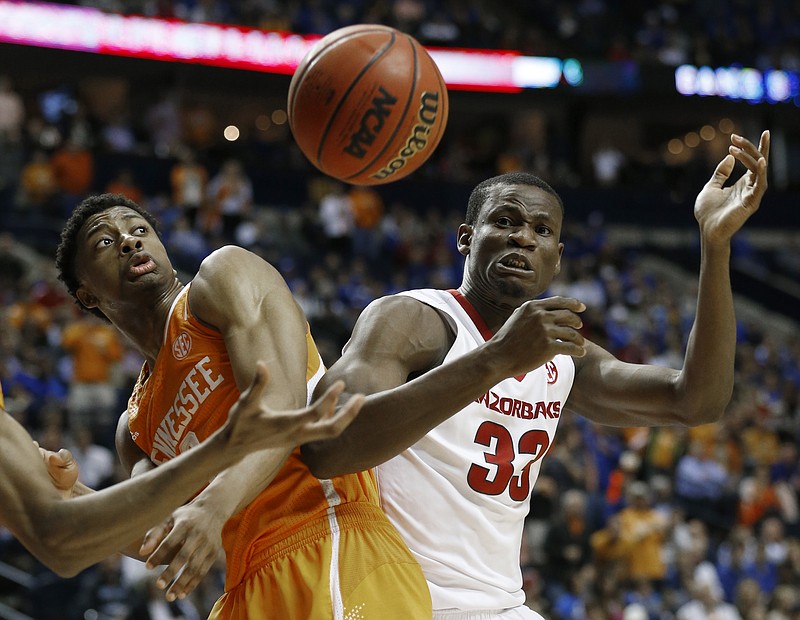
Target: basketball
point(367, 105)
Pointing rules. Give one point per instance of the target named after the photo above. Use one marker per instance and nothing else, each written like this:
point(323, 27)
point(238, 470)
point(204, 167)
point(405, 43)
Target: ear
point(464, 238)
point(558, 264)
point(86, 298)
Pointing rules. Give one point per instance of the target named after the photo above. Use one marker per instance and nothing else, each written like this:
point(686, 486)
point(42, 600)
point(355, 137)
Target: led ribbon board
point(91, 30)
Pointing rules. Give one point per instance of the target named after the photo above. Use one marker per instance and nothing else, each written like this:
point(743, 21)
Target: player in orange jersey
point(69, 534)
point(282, 529)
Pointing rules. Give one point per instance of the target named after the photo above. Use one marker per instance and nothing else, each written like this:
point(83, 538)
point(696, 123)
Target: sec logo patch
point(181, 346)
point(552, 372)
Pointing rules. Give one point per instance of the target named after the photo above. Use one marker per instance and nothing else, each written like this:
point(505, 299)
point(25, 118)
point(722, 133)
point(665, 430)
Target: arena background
point(626, 151)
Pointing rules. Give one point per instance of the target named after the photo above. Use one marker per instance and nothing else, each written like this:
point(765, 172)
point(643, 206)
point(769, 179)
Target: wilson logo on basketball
point(552, 372)
point(418, 140)
point(371, 124)
point(181, 346)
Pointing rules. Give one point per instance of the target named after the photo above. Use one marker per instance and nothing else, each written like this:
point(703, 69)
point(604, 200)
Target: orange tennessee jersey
point(186, 396)
point(2, 402)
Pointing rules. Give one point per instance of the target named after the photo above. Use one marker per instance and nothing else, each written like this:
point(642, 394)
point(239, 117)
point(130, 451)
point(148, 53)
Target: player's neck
point(144, 325)
point(494, 314)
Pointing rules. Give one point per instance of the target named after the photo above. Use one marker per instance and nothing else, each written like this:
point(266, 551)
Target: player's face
point(120, 257)
point(513, 250)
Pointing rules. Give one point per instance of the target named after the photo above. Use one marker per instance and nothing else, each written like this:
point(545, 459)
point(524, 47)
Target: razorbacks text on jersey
point(460, 495)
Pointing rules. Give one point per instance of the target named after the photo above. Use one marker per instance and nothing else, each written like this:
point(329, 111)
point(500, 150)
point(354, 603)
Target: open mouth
point(516, 263)
point(141, 264)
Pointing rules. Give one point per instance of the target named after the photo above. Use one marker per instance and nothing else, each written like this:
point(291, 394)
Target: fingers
point(739, 143)
point(755, 160)
point(324, 420)
point(568, 341)
point(722, 172)
point(193, 570)
point(326, 403)
point(153, 539)
point(188, 566)
point(66, 458)
point(558, 302)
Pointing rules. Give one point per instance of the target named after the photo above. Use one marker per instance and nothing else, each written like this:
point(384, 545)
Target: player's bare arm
point(69, 534)
point(609, 391)
point(395, 357)
point(248, 301)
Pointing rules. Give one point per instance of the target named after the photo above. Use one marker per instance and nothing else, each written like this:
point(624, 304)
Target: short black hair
point(480, 194)
point(68, 246)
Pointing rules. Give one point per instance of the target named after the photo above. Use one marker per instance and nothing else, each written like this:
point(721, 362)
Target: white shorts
point(514, 613)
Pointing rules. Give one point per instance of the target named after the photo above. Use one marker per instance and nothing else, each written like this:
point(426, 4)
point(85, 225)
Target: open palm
point(720, 210)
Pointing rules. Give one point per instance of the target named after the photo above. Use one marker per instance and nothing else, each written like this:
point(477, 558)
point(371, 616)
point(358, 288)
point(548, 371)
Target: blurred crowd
point(626, 524)
point(669, 32)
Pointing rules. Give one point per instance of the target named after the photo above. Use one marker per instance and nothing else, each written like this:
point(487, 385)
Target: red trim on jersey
point(483, 328)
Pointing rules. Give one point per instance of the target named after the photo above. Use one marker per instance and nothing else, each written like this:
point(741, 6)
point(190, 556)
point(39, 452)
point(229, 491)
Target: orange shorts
point(361, 572)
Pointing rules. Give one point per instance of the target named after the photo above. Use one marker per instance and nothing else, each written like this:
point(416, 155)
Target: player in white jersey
point(466, 387)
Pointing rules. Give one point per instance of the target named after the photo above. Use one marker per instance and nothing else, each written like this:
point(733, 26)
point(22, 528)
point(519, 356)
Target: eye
point(104, 242)
point(141, 229)
point(545, 231)
point(504, 221)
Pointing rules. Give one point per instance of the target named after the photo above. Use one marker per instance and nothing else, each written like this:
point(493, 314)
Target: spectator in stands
point(367, 206)
point(124, 182)
point(703, 488)
point(95, 462)
point(646, 528)
point(188, 181)
point(229, 199)
point(73, 165)
point(38, 183)
point(567, 542)
point(336, 218)
point(94, 348)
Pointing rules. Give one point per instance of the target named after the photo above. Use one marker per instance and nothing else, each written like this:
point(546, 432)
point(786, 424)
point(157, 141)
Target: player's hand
point(721, 211)
point(62, 468)
point(189, 542)
point(536, 332)
point(252, 425)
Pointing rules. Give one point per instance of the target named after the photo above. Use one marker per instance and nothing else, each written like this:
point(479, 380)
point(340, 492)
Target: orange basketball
point(367, 105)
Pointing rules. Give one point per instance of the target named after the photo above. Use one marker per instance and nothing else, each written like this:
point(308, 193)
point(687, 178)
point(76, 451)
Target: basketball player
point(466, 387)
point(296, 546)
point(70, 535)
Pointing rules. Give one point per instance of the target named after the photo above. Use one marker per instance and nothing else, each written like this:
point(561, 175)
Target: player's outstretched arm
point(612, 392)
point(71, 534)
point(397, 338)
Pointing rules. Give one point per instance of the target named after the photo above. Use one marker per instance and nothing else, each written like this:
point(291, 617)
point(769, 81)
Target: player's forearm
point(233, 489)
point(706, 380)
point(392, 420)
point(76, 533)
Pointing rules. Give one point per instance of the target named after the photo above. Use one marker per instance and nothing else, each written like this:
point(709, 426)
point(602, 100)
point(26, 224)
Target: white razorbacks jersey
point(460, 495)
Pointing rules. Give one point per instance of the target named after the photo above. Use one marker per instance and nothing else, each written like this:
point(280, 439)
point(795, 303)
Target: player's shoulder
point(233, 267)
point(406, 319)
point(233, 279)
point(402, 308)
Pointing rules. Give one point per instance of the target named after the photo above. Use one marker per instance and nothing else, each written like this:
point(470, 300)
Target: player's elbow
point(703, 412)
point(51, 551)
point(325, 461)
point(60, 546)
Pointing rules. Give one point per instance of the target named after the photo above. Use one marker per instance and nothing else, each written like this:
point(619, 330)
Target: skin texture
point(68, 527)
point(126, 274)
point(512, 252)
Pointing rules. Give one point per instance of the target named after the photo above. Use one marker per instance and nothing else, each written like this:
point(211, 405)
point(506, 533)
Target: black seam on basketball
point(317, 55)
point(402, 117)
point(343, 98)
